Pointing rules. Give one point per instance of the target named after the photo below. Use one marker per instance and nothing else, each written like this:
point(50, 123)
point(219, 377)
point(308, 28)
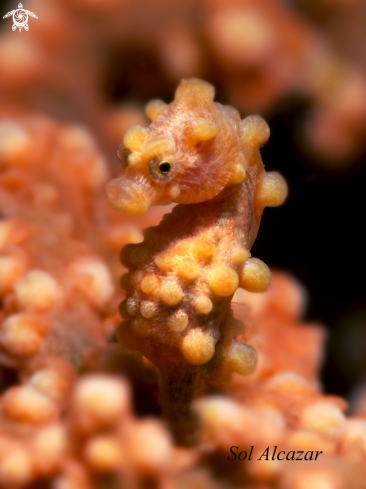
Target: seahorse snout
point(132, 197)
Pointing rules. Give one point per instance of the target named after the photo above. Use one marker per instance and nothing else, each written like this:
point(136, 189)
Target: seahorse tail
point(179, 386)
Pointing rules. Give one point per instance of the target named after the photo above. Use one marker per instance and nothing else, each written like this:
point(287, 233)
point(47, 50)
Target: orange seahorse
point(182, 278)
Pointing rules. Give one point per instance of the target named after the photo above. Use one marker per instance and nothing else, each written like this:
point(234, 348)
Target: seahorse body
point(181, 279)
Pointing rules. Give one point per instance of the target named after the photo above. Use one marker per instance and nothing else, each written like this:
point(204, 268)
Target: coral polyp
point(182, 277)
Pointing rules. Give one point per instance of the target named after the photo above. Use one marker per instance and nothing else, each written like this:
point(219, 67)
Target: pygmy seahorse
point(182, 277)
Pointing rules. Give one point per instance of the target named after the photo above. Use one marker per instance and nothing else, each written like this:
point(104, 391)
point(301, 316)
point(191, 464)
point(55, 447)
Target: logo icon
point(20, 18)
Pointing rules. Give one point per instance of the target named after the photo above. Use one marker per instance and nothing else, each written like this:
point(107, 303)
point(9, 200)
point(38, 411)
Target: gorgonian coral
point(66, 416)
point(57, 308)
point(182, 278)
point(259, 52)
point(280, 405)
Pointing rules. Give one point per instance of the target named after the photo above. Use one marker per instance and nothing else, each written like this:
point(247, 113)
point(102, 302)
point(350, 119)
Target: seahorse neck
point(231, 210)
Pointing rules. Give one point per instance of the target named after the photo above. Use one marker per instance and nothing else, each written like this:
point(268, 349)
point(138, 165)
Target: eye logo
point(20, 18)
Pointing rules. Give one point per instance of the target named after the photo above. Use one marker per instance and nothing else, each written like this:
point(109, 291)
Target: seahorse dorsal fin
point(194, 89)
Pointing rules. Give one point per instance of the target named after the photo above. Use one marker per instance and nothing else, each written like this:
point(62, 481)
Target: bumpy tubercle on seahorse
point(182, 277)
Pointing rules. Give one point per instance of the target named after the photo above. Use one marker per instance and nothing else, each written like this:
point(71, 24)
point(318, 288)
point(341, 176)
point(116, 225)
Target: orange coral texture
point(65, 419)
point(260, 51)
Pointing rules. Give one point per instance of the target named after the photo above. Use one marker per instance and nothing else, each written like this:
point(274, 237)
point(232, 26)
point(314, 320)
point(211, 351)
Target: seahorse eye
point(162, 170)
point(164, 167)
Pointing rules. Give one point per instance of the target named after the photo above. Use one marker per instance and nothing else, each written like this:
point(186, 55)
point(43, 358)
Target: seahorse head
point(188, 153)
